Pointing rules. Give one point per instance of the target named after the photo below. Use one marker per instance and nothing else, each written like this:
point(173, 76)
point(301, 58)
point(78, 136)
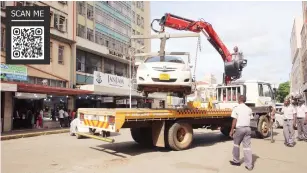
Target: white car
point(168, 74)
point(77, 126)
point(279, 120)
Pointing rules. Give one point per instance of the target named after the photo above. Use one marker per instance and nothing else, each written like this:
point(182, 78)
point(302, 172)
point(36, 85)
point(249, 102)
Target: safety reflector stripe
point(246, 148)
point(235, 145)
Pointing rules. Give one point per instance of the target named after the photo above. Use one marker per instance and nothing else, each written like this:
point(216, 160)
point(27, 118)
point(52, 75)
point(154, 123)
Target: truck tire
point(180, 136)
point(263, 130)
point(225, 131)
point(142, 136)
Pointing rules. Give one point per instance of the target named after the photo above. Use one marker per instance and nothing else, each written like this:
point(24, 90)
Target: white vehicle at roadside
point(165, 74)
point(77, 126)
point(279, 120)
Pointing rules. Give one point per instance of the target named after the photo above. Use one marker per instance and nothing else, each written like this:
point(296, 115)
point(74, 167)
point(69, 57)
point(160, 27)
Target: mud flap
point(158, 128)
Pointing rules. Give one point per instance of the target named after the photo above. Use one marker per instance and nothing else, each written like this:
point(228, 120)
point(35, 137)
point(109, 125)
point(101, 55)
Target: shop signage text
point(14, 72)
point(110, 80)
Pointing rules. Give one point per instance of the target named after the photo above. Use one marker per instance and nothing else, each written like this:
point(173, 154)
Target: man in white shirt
point(289, 116)
point(301, 115)
point(61, 117)
point(242, 116)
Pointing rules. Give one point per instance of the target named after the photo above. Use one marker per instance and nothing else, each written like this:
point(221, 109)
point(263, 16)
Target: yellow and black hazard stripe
point(95, 123)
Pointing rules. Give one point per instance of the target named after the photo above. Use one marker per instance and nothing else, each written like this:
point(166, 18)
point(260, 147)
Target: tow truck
point(173, 128)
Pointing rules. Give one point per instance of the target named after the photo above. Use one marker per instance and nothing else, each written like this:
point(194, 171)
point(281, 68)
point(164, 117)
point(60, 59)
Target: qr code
point(27, 43)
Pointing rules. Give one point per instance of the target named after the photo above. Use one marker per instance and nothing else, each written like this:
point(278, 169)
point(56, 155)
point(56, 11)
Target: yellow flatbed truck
point(172, 128)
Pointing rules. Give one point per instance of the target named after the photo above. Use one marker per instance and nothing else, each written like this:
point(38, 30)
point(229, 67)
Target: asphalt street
point(210, 153)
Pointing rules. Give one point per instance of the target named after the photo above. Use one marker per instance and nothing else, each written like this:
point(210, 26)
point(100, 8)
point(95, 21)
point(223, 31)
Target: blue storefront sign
point(14, 72)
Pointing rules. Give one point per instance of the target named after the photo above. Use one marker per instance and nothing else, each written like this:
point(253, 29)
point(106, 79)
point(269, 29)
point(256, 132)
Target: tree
point(282, 91)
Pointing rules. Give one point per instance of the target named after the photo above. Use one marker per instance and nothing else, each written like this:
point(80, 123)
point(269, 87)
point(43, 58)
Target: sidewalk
point(31, 132)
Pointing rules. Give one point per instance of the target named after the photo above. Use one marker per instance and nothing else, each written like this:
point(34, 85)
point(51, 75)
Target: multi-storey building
point(295, 45)
point(304, 48)
point(41, 87)
point(103, 44)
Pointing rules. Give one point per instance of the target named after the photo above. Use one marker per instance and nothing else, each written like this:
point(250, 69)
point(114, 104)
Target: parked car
point(77, 126)
point(165, 74)
point(279, 120)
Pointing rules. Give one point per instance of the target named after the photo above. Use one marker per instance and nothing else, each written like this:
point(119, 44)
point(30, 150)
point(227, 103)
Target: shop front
point(25, 105)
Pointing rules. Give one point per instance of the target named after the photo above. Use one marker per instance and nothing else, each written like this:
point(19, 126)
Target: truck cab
point(258, 94)
point(260, 97)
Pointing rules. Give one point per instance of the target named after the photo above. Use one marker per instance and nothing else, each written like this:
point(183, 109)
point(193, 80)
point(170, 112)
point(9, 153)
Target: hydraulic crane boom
point(233, 67)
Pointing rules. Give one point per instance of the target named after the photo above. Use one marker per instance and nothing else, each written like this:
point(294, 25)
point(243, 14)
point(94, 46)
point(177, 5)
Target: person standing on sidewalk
point(61, 117)
point(301, 114)
point(241, 115)
point(289, 116)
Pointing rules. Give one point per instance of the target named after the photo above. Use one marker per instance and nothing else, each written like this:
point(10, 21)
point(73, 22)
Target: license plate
point(164, 77)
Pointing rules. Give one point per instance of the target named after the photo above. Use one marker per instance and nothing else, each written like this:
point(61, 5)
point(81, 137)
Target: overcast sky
point(260, 29)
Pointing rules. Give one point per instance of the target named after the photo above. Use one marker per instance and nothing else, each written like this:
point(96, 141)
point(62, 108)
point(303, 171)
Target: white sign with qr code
point(27, 42)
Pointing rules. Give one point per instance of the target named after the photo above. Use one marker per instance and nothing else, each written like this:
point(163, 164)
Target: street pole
point(130, 81)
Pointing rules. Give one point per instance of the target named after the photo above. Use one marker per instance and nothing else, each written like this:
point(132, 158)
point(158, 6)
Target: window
point(267, 91)
point(61, 55)
point(60, 23)
point(51, 46)
point(90, 34)
point(90, 12)
point(119, 69)
point(51, 19)
point(133, 16)
point(87, 62)
point(3, 5)
point(81, 7)
point(107, 43)
point(133, 32)
point(80, 63)
point(108, 66)
point(138, 20)
point(2, 38)
point(142, 22)
point(172, 59)
point(81, 31)
point(92, 63)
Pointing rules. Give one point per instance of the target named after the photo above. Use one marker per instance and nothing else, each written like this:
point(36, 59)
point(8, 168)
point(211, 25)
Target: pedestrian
point(301, 114)
point(241, 115)
point(66, 118)
point(289, 116)
point(61, 117)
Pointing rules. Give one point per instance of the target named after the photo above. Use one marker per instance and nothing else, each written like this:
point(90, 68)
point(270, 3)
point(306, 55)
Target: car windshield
point(173, 59)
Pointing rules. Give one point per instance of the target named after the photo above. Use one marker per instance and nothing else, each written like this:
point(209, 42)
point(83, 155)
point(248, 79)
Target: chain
point(198, 47)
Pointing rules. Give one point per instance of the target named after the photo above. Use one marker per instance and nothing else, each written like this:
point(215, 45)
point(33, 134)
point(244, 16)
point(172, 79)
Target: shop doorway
point(2, 110)
point(26, 112)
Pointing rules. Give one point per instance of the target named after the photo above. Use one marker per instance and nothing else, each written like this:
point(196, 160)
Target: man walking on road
point(301, 114)
point(241, 115)
point(289, 116)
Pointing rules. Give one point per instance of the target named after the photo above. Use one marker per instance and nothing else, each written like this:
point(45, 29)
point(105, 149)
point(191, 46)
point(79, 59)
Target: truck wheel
point(225, 131)
point(142, 136)
point(180, 136)
point(263, 130)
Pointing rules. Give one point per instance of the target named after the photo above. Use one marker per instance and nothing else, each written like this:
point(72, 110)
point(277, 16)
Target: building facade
point(296, 76)
point(104, 49)
point(210, 79)
point(40, 87)
point(304, 48)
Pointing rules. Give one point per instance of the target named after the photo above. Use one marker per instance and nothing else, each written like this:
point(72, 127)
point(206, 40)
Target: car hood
point(164, 65)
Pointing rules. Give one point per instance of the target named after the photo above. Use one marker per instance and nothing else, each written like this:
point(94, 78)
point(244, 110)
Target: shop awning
point(33, 88)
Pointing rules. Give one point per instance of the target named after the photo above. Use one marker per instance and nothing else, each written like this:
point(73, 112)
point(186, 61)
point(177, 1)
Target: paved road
point(210, 153)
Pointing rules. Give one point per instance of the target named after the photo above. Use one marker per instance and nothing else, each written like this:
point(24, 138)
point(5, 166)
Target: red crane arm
point(180, 23)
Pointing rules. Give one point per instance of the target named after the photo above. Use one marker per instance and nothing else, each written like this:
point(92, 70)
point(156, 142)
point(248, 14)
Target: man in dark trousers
point(241, 115)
